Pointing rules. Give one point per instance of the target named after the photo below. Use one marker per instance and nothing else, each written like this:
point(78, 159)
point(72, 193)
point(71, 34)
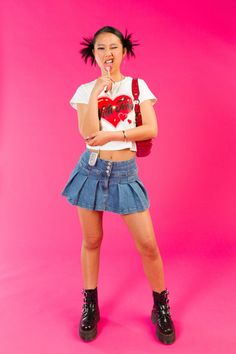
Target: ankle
point(160, 297)
point(159, 290)
point(89, 289)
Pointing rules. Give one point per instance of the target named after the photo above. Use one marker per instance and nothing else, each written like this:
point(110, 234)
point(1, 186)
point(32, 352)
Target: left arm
point(149, 128)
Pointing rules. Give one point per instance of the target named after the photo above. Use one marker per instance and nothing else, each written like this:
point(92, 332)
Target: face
point(108, 51)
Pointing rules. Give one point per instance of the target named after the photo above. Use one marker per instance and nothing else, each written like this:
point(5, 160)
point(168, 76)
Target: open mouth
point(110, 61)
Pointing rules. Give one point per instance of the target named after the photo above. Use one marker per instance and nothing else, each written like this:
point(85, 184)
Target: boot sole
point(164, 338)
point(90, 334)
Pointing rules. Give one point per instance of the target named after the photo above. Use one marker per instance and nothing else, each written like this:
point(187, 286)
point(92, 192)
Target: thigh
point(91, 222)
point(141, 228)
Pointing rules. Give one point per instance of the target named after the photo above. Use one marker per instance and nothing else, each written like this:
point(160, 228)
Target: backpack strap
point(135, 89)
point(135, 92)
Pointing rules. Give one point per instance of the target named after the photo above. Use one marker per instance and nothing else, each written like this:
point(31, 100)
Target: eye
point(101, 48)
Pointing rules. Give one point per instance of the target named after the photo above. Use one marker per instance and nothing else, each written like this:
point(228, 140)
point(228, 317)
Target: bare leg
point(91, 225)
point(142, 231)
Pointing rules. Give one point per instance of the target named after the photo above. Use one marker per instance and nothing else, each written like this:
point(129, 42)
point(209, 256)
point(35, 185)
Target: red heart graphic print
point(115, 110)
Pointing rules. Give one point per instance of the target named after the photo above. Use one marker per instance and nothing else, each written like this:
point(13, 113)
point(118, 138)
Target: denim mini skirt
point(108, 185)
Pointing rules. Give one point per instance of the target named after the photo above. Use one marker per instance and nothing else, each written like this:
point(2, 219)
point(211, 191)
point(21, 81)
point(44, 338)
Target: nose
point(108, 52)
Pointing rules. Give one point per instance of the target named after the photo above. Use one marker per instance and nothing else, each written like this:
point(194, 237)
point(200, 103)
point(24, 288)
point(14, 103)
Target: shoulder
point(128, 81)
point(82, 94)
point(141, 82)
point(145, 92)
point(89, 85)
point(86, 87)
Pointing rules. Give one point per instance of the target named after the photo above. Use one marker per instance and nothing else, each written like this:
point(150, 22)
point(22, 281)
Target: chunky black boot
point(90, 315)
point(160, 316)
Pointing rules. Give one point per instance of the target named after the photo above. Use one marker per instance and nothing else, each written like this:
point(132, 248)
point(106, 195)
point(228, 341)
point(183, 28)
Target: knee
point(148, 248)
point(92, 241)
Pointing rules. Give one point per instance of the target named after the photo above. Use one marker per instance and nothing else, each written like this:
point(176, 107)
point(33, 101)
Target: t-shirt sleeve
point(145, 93)
point(80, 96)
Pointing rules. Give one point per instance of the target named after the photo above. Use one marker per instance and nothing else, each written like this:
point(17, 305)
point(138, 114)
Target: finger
point(107, 83)
point(90, 141)
point(108, 87)
point(108, 72)
point(104, 72)
point(91, 136)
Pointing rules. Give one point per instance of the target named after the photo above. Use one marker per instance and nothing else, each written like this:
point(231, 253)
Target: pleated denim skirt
point(108, 185)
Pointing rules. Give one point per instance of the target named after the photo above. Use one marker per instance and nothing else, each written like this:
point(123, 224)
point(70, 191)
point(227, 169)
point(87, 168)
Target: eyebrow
point(104, 44)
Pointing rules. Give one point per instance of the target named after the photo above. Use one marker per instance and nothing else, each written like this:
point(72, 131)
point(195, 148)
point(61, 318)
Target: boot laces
point(87, 303)
point(164, 308)
point(164, 311)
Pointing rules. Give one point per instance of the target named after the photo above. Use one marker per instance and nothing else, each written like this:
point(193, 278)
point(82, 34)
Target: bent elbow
point(154, 133)
point(83, 132)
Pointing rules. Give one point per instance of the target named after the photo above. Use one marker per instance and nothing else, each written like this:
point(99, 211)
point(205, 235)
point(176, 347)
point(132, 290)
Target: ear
point(124, 52)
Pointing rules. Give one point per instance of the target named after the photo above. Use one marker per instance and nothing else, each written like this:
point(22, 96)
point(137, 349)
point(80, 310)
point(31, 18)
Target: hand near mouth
point(104, 82)
point(108, 68)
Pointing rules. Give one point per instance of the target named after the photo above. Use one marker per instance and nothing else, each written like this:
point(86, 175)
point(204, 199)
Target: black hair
point(88, 43)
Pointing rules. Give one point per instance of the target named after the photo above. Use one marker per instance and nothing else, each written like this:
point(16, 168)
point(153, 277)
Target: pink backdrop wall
point(188, 57)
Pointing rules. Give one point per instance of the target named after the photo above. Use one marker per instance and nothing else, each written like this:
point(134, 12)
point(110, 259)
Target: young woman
point(106, 176)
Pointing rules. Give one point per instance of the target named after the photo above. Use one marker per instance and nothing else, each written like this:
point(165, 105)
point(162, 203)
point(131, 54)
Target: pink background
point(188, 58)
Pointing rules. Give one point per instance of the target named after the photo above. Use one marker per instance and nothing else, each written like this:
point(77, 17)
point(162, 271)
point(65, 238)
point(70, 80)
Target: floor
point(41, 304)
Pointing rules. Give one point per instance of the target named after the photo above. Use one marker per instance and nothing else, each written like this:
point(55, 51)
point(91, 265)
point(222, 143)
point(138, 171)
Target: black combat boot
point(90, 315)
point(160, 316)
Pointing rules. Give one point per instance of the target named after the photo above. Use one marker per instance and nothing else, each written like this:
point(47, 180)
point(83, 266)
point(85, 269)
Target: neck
point(116, 76)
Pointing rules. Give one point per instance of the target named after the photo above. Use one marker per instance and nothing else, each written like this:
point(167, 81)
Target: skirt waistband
point(102, 164)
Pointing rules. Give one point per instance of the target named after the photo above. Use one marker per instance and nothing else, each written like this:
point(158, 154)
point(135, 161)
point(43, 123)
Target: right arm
point(88, 120)
point(87, 114)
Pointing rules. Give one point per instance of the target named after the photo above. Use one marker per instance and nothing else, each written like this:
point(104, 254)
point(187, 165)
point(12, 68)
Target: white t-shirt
point(116, 108)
